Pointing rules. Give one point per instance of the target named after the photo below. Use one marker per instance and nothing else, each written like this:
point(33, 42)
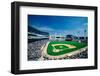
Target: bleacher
point(36, 39)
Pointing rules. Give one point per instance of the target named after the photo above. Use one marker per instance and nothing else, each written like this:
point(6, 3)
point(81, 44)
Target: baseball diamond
point(59, 49)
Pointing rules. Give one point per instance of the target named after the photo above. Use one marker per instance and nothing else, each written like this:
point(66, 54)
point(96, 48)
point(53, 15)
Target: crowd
point(81, 55)
point(34, 49)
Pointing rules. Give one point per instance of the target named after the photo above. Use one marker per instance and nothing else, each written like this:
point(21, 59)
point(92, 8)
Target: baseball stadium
point(49, 42)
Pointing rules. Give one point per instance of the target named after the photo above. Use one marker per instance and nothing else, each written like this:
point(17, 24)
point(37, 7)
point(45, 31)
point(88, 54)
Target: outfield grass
point(64, 49)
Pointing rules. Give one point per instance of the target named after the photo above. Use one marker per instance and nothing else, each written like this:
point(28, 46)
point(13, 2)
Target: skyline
point(60, 25)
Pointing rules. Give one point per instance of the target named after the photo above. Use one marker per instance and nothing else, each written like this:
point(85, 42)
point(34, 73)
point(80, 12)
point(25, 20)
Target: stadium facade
point(35, 34)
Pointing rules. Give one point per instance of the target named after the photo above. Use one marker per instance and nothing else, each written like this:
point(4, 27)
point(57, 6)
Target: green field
point(56, 48)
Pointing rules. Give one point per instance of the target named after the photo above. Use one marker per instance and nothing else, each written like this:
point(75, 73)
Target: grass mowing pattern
point(78, 46)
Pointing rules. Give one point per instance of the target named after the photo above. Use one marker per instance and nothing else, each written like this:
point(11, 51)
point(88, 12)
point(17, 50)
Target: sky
point(59, 25)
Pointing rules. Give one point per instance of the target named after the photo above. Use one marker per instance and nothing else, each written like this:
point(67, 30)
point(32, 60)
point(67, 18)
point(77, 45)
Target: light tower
point(79, 36)
point(85, 31)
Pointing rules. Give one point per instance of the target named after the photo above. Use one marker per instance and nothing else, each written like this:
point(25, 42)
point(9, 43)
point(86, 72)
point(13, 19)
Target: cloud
point(85, 24)
point(45, 29)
